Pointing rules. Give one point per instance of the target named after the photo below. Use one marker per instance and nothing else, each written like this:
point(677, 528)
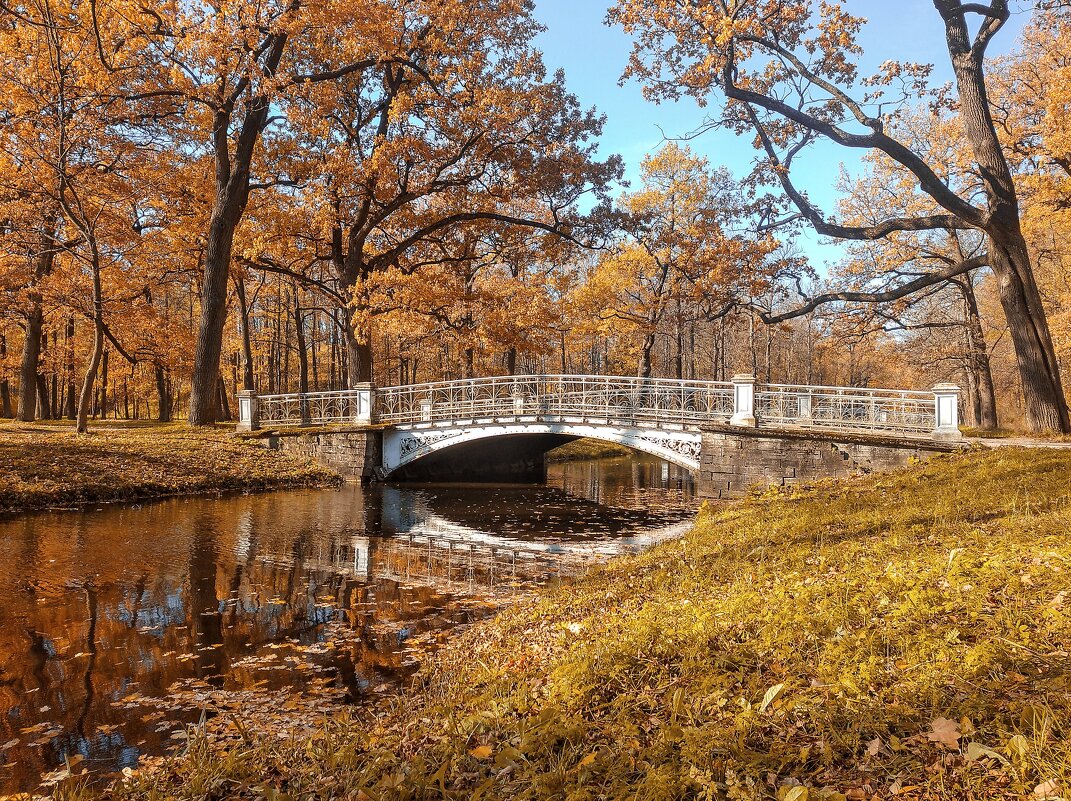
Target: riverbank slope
point(48, 465)
point(901, 636)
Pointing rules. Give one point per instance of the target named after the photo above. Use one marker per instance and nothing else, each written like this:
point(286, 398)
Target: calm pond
point(117, 623)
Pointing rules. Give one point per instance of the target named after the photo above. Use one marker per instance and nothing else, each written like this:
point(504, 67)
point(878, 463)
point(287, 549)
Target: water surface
point(118, 623)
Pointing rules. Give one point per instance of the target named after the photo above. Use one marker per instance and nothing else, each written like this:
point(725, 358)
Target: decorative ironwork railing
point(622, 401)
point(846, 408)
point(314, 408)
point(600, 397)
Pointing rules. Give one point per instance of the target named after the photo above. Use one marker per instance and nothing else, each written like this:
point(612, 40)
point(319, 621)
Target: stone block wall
point(354, 454)
point(732, 460)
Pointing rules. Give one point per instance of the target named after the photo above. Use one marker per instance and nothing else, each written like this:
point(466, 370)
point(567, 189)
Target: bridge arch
point(516, 449)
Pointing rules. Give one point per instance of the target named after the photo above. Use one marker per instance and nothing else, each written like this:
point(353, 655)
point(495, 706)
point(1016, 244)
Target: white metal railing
point(315, 407)
point(846, 408)
point(348, 406)
point(619, 400)
point(602, 397)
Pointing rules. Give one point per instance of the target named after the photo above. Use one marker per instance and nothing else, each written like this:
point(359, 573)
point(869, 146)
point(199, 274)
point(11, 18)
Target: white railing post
point(743, 401)
point(946, 412)
point(364, 402)
point(426, 405)
point(805, 407)
point(248, 410)
point(518, 403)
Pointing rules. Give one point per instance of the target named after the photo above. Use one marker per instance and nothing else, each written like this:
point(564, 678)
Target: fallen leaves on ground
point(48, 466)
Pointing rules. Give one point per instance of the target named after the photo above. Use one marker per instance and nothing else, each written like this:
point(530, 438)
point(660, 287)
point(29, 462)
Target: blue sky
point(594, 56)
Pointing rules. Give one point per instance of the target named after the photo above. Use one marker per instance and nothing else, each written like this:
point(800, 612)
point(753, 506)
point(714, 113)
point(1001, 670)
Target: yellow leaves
point(771, 697)
point(978, 751)
point(482, 752)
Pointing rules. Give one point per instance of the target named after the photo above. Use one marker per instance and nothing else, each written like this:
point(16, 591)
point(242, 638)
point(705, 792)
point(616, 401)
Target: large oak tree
point(787, 72)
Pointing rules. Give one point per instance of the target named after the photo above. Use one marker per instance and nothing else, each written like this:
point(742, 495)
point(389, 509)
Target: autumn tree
point(789, 77)
point(1030, 98)
point(71, 170)
point(462, 128)
point(492, 290)
point(682, 255)
point(219, 64)
point(880, 267)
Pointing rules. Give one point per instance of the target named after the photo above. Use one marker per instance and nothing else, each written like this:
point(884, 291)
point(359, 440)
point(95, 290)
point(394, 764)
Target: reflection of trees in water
point(98, 606)
point(91, 662)
point(204, 614)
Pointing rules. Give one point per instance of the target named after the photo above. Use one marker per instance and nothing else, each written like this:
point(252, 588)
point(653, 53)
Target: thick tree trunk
point(358, 359)
point(511, 361)
point(359, 351)
point(204, 398)
point(1039, 371)
point(358, 344)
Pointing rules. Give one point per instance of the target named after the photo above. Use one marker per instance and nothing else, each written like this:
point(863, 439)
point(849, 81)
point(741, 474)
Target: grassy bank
point(44, 466)
point(903, 636)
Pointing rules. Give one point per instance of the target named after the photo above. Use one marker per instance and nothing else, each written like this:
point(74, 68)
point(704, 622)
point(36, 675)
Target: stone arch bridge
point(729, 434)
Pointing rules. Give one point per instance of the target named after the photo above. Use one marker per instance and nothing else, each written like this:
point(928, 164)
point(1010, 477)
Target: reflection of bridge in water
point(464, 561)
point(452, 539)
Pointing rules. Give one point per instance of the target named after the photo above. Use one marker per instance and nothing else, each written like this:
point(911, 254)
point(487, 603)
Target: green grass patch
point(902, 636)
point(47, 466)
point(585, 448)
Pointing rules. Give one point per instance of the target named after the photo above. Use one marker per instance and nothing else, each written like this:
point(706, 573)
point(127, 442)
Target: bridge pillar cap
point(744, 378)
point(947, 388)
point(247, 393)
